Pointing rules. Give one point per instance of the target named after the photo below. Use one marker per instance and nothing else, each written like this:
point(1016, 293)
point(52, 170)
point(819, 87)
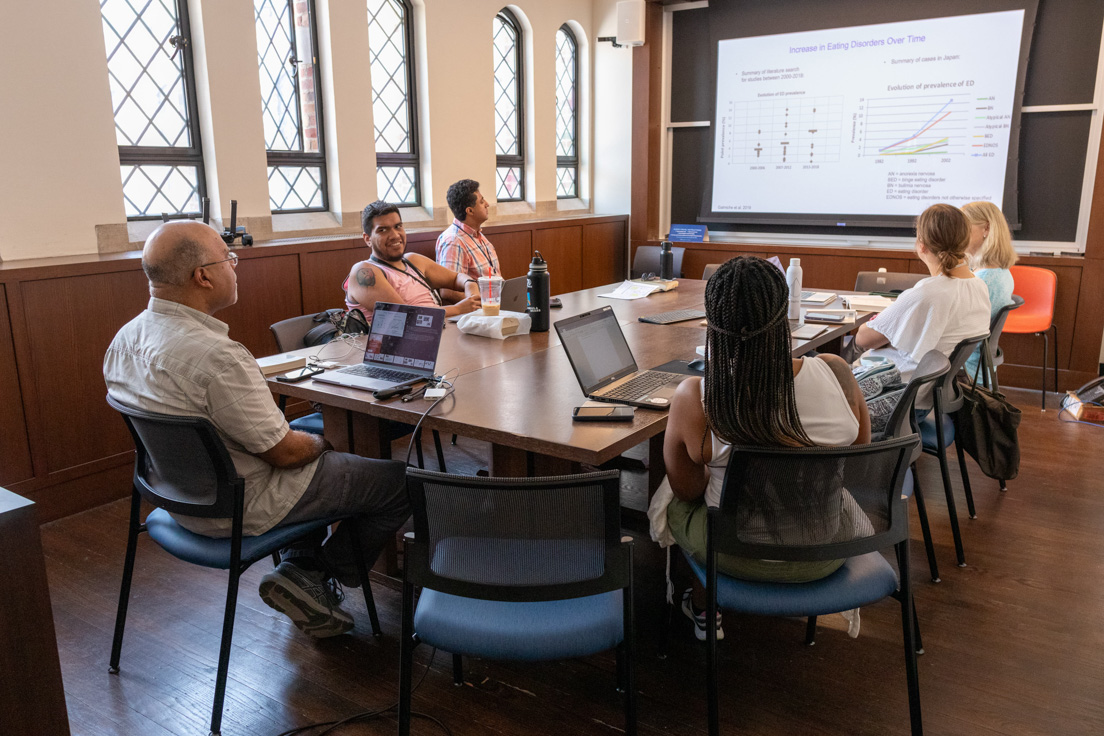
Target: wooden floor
point(1014, 642)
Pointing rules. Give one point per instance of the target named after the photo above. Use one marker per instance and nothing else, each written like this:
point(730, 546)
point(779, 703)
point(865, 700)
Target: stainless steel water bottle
point(538, 292)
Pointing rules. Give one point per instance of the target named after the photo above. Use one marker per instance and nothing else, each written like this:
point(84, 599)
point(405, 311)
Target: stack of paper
point(281, 363)
point(868, 302)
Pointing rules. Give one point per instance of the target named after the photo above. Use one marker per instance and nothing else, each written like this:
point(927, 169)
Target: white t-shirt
point(936, 314)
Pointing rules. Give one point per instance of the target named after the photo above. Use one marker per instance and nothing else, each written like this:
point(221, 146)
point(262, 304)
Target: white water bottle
point(793, 280)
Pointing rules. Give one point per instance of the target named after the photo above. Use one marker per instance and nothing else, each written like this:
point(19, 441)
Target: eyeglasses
point(233, 258)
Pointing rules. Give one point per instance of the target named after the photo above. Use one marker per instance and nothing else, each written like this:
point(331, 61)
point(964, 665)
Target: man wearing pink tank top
point(390, 275)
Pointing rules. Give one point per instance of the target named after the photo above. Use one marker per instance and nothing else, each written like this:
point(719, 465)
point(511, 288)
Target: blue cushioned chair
point(904, 422)
point(182, 466)
point(289, 334)
point(517, 568)
point(789, 504)
point(937, 432)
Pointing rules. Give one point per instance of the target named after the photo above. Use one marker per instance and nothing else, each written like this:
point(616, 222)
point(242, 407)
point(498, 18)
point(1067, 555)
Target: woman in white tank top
point(754, 394)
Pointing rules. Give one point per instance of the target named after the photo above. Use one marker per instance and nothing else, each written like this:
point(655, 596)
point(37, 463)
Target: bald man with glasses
point(177, 358)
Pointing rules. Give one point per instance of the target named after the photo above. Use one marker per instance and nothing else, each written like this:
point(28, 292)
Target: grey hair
point(177, 267)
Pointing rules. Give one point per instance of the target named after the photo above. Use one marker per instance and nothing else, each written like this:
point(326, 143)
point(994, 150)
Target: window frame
point(571, 161)
point(515, 160)
point(175, 155)
point(305, 158)
point(413, 157)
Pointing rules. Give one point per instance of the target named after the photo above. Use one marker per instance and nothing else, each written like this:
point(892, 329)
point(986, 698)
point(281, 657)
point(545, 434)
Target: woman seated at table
point(755, 394)
point(939, 312)
point(990, 255)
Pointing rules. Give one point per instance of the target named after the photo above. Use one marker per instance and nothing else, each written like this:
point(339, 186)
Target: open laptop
point(514, 293)
point(605, 366)
point(402, 348)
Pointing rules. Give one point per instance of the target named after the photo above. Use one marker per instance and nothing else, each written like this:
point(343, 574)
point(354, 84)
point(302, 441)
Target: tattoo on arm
point(366, 277)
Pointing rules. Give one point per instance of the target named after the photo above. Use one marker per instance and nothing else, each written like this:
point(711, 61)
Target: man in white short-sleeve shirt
point(176, 358)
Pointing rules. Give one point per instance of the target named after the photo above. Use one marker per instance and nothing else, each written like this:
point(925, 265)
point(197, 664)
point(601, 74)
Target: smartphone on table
point(603, 413)
point(300, 374)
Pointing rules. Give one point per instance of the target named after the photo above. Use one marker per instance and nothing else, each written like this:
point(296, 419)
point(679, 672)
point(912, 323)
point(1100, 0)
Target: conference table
point(517, 394)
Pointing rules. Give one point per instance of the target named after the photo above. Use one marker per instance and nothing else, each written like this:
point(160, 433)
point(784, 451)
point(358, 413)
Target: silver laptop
point(605, 366)
point(402, 348)
point(514, 297)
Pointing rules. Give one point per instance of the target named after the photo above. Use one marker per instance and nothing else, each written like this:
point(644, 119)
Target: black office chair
point(646, 260)
point(788, 504)
point(181, 466)
point(886, 281)
point(902, 423)
point(937, 432)
point(289, 335)
point(519, 569)
point(991, 354)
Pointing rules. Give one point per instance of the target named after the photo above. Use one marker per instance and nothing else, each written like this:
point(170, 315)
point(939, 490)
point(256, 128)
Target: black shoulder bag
point(986, 426)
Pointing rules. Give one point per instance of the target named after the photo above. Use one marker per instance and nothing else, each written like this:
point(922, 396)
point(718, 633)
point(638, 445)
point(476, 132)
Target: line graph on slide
point(927, 125)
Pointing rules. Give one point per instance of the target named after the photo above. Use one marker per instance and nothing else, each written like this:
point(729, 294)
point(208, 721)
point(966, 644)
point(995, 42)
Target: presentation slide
point(878, 120)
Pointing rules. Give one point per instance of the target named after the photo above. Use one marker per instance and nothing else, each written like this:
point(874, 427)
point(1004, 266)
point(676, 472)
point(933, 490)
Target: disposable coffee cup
point(490, 294)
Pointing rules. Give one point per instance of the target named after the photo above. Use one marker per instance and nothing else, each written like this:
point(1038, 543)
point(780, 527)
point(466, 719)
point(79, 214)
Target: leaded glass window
point(290, 106)
point(149, 64)
point(390, 44)
point(567, 118)
point(509, 108)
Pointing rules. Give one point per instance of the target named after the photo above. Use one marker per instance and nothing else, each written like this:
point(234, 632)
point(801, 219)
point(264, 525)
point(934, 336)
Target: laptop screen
point(596, 348)
point(405, 336)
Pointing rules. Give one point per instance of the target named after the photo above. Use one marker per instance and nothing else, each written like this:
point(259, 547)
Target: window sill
point(574, 203)
point(304, 221)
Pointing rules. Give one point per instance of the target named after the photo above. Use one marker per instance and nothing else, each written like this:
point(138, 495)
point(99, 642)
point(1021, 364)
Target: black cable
point(331, 726)
point(437, 382)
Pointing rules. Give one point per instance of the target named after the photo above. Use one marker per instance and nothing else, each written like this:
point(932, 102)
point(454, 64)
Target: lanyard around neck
point(412, 272)
point(479, 246)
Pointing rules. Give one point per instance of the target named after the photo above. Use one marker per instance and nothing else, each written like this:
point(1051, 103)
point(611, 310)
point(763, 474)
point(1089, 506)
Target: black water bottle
point(666, 261)
point(539, 290)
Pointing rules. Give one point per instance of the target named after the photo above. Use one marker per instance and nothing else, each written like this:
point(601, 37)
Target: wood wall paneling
point(322, 274)
point(79, 316)
point(563, 251)
point(515, 250)
point(15, 446)
point(269, 290)
point(604, 254)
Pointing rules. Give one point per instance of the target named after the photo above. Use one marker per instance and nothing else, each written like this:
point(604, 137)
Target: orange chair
point(1037, 287)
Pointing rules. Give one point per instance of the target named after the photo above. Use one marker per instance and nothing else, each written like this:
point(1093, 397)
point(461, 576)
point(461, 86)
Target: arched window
point(567, 114)
point(391, 57)
point(149, 64)
point(291, 109)
point(509, 108)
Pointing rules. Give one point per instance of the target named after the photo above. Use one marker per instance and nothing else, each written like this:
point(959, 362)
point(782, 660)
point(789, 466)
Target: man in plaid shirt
point(463, 247)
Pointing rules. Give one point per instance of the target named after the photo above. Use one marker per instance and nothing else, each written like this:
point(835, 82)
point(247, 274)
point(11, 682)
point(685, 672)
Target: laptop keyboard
point(640, 386)
point(383, 374)
point(667, 318)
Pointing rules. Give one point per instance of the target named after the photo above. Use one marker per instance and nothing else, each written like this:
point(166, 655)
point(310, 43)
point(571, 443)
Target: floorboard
point(1014, 642)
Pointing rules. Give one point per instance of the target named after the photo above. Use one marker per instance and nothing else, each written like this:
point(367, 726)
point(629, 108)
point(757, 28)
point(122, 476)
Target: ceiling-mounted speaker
point(630, 22)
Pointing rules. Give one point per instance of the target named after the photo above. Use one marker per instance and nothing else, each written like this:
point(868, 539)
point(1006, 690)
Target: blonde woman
point(990, 255)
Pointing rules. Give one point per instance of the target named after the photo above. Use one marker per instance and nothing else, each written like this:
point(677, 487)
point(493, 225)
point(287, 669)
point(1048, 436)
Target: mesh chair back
point(932, 367)
point(289, 333)
point(646, 260)
point(181, 464)
point(948, 386)
point(514, 538)
point(813, 503)
point(885, 281)
point(996, 325)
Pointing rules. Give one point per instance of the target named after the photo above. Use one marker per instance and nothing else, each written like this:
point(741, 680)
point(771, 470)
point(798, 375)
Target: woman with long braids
point(939, 312)
point(755, 394)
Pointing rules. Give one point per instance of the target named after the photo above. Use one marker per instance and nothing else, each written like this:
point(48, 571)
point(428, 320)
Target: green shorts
point(687, 521)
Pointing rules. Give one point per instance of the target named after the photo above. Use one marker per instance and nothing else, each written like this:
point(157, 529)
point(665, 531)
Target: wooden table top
point(519, 392)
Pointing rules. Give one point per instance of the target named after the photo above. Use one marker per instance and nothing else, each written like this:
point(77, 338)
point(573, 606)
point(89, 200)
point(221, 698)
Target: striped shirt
point(464, 250)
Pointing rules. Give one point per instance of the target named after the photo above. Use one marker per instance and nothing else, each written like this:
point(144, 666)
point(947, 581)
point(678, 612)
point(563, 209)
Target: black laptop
point(605, 366)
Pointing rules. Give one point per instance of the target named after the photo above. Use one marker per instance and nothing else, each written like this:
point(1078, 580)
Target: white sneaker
point(698, 617)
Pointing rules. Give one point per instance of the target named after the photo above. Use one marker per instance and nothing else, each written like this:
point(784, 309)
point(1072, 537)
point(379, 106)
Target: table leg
point(508, 462)
point(656, 467)
point(335, 425)
point(371, 437)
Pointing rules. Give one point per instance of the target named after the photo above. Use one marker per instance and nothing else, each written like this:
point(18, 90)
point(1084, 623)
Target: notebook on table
point(604, 364)
point(402, 348)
